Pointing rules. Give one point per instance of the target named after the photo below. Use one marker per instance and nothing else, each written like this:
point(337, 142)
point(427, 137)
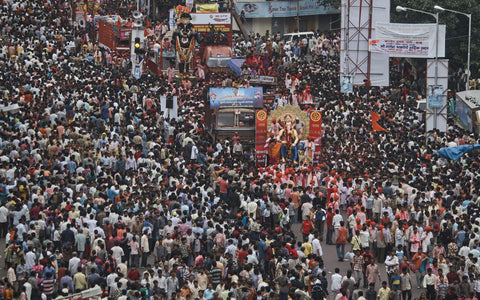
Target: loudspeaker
point(169, 102)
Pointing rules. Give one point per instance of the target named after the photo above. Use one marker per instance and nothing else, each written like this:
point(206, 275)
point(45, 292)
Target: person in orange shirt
point(185, 290)
point(342, 235)
point(417, 261)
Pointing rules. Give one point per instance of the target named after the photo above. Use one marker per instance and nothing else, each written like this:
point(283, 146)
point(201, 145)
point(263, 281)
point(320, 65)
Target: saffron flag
point(454, 153)
point(375, 125)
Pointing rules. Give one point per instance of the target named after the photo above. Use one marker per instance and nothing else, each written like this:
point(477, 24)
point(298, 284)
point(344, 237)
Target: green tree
point(456, 44)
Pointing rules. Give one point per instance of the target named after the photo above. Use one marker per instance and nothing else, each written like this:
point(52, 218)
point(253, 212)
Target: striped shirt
point(48, 285)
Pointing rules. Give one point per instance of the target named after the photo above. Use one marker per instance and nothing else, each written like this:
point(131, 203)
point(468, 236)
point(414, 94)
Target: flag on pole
point(454, 153)
point(375, 125)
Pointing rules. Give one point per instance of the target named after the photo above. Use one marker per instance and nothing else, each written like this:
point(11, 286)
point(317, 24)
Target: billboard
point(408, 40)
point(236, 97)
point(221, 21)
point(464, 114)
point(399, 47)
point(355, 58)
point(281, 9)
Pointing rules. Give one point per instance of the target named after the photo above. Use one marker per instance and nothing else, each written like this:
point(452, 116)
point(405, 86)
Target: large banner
point(221, 21)
point(408, 40)
point(355, 59)
point(281, 9)
point(316, 133)
point(261, 138)
point(399, 47)
point(236, 97)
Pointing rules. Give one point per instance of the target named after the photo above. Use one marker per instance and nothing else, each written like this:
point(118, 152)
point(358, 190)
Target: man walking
point(342, 235)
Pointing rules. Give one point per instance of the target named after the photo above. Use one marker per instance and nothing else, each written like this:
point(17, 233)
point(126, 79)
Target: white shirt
point(336, 221)
point(336, 282)
point(3, 214)
point(73, 265)
point(317, 247)
point(29, 260)
point(117, 253)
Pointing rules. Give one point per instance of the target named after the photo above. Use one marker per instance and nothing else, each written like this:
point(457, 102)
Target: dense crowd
point(99, 190)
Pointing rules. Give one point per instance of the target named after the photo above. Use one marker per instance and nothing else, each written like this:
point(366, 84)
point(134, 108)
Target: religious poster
point(316, 133)
point(261, 132)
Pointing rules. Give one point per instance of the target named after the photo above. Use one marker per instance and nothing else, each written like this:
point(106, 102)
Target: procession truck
point(233, 111)
point(112, 35)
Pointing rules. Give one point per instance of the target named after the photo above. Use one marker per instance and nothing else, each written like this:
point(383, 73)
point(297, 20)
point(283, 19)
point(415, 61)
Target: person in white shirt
point(3, 220)
point(336, 281)
point(73, 264)
point(316, 246)
point(337, 218)
point(117, 252)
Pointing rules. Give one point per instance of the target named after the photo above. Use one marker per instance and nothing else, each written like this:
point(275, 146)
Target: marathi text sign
point(260, 138)
point(211, 18)
point(236, 97)
point(408, 40)
point(400, 47)
point(206, 27)
point(281, 9)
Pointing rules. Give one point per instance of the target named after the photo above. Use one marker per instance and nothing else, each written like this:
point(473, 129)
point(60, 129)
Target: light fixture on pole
point(435, 15)
point(469, 16)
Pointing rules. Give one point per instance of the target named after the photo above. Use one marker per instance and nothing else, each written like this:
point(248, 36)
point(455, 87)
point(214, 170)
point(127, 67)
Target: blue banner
point(346, 84)
point(280, 9)
point(236, 97)
point(435, 96)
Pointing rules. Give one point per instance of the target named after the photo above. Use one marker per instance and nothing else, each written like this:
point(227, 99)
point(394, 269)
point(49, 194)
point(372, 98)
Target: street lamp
point(435, 15)
point(469, 16)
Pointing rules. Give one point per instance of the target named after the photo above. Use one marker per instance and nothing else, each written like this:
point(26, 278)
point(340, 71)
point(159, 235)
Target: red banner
point(316, 133)
point(260, 138)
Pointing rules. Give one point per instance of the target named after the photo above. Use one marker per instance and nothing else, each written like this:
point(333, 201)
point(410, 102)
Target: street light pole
point(435, 15)
point(469, 16)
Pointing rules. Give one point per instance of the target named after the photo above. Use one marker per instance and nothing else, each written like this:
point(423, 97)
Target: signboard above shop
point(281, 9)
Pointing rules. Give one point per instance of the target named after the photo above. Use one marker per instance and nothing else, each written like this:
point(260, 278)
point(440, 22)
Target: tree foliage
point(456, 44)
point(457, 26)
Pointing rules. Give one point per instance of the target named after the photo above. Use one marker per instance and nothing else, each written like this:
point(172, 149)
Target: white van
point(288, 38)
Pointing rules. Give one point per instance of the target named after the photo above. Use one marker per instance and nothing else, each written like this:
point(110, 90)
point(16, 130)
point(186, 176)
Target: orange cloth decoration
point(375, 125)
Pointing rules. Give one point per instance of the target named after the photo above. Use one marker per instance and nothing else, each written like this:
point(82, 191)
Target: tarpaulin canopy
point(236, 65)
point(454, 153)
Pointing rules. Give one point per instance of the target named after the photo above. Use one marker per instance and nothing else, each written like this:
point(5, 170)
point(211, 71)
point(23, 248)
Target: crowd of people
point(99, 190)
